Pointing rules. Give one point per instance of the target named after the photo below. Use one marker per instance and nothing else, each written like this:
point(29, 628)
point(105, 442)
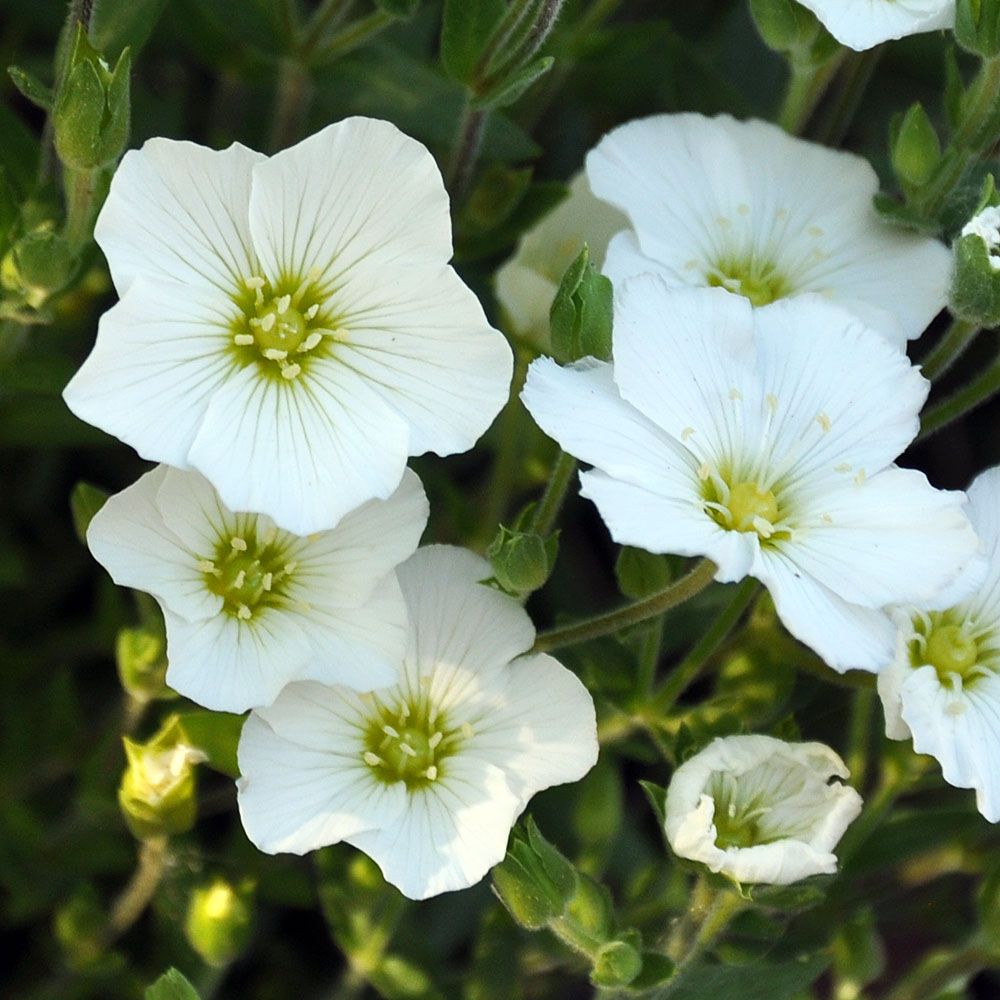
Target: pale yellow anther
point(843, 467)
point(241, 578)
point(267, 322)
point(859, 479)
point(404, 711)
point(431, 773)
point(390, 731)
point(311, 312)
point(239, 544)
point(686, 433)
point(704, 471)
point(467, 730)
point(291, 371)
point(274, 354)
point(290, 568)
point(435, 740)
point(772, 401)
point(372, 759)
point(281, 306)
point(268, 581)
point(735, 394)
point(206, 565)
point(407, 749)
point(243, 339)
point(244, 613)
point(311, 341)
point(254, 282)
point(824, 421)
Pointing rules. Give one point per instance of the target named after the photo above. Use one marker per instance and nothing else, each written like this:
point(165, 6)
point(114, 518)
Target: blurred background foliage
point(326, 926)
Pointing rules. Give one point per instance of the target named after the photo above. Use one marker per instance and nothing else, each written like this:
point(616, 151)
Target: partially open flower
point(761, 810)
point(863, 24)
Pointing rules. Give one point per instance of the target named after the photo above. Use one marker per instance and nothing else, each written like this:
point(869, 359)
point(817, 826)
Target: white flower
point(249, 607)
point(426, 777)
point(528, 282)
point(986, 225)
point(763, 439)
point(944, 687)
point(289, 326)
point(761, 810)
point(863, 24)
point(746, 207)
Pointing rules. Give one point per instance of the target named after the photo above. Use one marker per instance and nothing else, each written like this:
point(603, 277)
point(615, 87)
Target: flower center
point(760, 282)
point(737, 823)
point(745, 506)
point(410, 743)
point(950, 651)
point(280, 327)
point(248, 572)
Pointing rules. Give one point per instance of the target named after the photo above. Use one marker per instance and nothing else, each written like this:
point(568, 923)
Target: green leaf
point(217, 735)
point(119, 24)
point(84, 502)
point(511, 89)
point(31, 87)
point(752, 981)
point(172, 986)
point(399, 8)
point(656, 795)
point(465, 30)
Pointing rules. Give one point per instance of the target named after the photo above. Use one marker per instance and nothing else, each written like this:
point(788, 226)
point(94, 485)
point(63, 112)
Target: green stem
point(546, 514)
point(575, 937)
point(977, 392)
point(681, 678)
point(806, 86)
point(931, 979)
point(291, 105)
point(858, 71)
point(859, 735)
point(329, 13)
point(354, 36)
point(712, 911)
point(948, 349)
point(877, 808)
point(139, 892)
point(614, 621)
point(502, 34)
point(466, 152)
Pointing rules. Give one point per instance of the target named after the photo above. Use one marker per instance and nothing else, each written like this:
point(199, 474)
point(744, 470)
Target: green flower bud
point(157, 791)
point(785, 26)
point(975, 287)
point(581, 314)
point(591, 908)
point(91, 114)
point(521, 561)
point(617, 963)
point(77, 926)
point(977, 26)
point(37, 266)
point(916, 149)
point(141, 655)
point(218, 920)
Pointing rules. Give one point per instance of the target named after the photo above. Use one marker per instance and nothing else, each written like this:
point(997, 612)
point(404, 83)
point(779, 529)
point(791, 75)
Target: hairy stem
point(952, 345)
point(466, 152)
point(139, 892)
point(546, 514)
point(806, 86)
point(977, 392)
point(291, 104)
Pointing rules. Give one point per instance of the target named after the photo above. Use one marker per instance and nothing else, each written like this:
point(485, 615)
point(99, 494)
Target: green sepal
point(581, 315)
point(465, 30)
point(217, 736)
point(511, 89)
point(784, 25)
point(31, 88)
point(656, 796)
point(522, 561)
point(977, 26)
point(656, 970)
point(84, 502)
point(617, 963)
point(40, 264)
point(954, 88)
point(172, 986)
point(916, 148)
point(141, 658)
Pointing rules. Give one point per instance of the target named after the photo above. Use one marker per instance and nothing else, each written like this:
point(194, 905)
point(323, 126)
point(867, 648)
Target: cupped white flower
point(943, 689)
point(763, 439)
point(714, 202)
point(761, 810)
point(289, 326)
point(426, 777)
point(249, 607)
point(986, 225)
point(863, 24)
point(527, 283)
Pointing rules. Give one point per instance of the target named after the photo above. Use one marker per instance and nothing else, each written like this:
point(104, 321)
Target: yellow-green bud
point(91, 113)
point(916, 149)
point(784, 25)
point(617, 963)
point(141, 655)
point(591, 908)
point(218, 921)
point(521, 561)
point(977, 26)
point(39, 264)
point(157, 791)
point(581, 315)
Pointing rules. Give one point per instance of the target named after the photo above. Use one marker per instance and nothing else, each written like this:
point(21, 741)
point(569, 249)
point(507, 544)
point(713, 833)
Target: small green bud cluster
point(521, 560)
point(581, 315)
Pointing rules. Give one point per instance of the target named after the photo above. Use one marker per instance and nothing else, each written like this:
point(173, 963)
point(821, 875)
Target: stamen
point(824, 421)
point(686, 433)
point(404, 713)
point(843, 467)
point(311, 312)
point(267, 322)
point(254, 282)
point(431, 773)
point(291, 371)
point(704, 471)
point(372, 759)
point(243, 340)
point(407, 749)
point(467, 731)
point(763, 527)
point(435, 740)
point(281, 306)
point(268, 581)
point(244, 613)
point(311, 341)
point(274, 354)
point(290, 568)
point(241, 578)
point(859, 479)
point(206, 565)
point(239, 544)
point(389, 731)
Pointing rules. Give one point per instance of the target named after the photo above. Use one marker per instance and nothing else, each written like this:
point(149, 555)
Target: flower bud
point(617, 963)
point(91, 114)
point(38, 265)
point(916, 149)
point(521, 560)
point(78, 926)
point(141, 655)
point(975, 287)
point(784, 25)
point(218, 920)
point(581, 314)
point(977, 26)
point(157, 791)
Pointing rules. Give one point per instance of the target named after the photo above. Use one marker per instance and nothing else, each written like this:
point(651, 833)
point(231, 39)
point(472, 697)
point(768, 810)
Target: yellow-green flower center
point(410, 742)
point(745, 506)
point(950, 651)
point(760, 282)
point(249, 572)
point(960, 652)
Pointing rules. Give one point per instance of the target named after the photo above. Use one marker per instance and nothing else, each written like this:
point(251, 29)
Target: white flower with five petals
point(249, 607)
point(426, 777)
point(863, 24)
point(763, 439)
point(744, 206)
point(289, 325)
point(943, 689)
point(761, 810)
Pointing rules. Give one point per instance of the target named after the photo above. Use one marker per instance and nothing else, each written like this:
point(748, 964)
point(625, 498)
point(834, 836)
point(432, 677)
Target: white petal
point(961, 731)
point(305, 451)
point(357, 194)
point(863, 24)
point(459, 628)
point(581, 408)
point(160, 355)
point(319, 717)
point(177, 211)
point(359, 647)
point(192, 510)
point(546, 733)
point(419, 337)
point(678, 526)
point(296, 798)
point(228, 665)
point(847, 636)
point(984, 512)
point(450, 834)
point(342, 567)
point(128, 537)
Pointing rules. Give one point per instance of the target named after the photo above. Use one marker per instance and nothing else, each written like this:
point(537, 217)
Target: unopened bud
point(581, 314)
point(77, 926)
point(141, 655)
point(977, 26)
point(784, 25)
point(37, 266)
point(617, 963)
point(916, 149)
point(218, 921)
point(521, 561)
